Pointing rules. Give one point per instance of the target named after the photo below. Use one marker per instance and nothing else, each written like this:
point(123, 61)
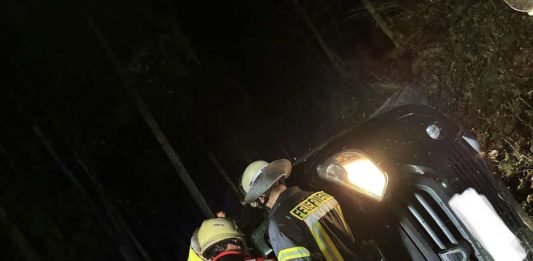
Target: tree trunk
point(151, 122)
point(330, 54)
point(9, 161)
point(148, 236)
point(381, 22)
point(220, 169)
point(113, 216)
point(125, 247)
point(112, 212)
point(18, 238)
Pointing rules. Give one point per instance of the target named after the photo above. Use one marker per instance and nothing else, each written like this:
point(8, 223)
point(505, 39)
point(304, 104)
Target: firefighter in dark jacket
point(302, 225)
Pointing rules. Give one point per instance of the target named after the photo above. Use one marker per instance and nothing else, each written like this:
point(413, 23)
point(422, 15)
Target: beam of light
point(364, 174)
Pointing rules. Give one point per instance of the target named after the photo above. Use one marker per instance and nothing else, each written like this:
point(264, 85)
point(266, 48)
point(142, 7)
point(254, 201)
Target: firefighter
point(302, 225)
point(221, 240)
point(195, 252)
point(194, 249)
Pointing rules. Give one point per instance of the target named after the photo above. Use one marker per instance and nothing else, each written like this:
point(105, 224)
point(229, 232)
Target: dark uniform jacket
point(309, 226)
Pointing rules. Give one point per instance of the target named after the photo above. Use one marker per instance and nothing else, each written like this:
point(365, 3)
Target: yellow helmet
point(216, 230)
point(195, 246)
point(260, 176)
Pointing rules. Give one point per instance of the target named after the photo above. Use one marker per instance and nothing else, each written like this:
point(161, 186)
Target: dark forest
point(111, 110)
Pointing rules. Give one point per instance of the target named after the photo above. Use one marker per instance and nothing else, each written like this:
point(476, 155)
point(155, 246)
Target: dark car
point(412, 180)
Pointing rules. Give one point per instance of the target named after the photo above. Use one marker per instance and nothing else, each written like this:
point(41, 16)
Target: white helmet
point(260, 176)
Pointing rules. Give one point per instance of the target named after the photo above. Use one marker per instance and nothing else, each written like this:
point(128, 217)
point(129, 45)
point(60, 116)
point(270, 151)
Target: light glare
point(364, 174)
point(486, 226)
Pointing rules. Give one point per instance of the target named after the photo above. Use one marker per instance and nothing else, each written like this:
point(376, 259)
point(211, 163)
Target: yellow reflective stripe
point(310, 205)
point(316, 235)
point(293, 253)
point(321, 211)
point(330, 243)
point(324, 242)
point(339, 210)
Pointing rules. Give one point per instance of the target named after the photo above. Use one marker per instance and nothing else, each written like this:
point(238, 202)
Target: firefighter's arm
point(285, 248)
point(297, 253)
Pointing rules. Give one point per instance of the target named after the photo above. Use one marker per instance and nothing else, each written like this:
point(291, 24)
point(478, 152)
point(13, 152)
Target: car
point(412, 181)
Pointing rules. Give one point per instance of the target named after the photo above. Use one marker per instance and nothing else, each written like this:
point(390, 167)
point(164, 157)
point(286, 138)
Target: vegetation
point(473, 58)
point(477, 59)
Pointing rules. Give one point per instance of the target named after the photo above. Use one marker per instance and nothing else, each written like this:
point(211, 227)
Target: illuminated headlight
point(356, 171)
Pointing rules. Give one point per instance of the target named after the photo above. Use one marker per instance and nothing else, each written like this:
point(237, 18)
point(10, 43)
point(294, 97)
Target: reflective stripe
point(293, 253)
point(309, 205)
point(320, 242)
point(328, 249)
point(339, 211)
point(324, 242)
point(321, 211)
point(330, 243)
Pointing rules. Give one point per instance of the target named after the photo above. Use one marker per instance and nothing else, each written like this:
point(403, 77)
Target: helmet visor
point(269, 175)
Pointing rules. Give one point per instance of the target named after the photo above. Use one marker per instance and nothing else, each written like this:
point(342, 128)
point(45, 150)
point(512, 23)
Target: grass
point(476, 57)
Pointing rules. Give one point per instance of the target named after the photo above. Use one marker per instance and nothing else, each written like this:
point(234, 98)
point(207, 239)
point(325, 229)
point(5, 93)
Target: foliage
point(477, 58)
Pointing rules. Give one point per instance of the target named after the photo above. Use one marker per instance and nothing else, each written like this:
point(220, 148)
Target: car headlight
point(355, 171)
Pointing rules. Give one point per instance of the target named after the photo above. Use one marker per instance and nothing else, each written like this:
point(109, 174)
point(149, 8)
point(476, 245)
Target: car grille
point(429, 215)
point(434, 218)
point(472, 170)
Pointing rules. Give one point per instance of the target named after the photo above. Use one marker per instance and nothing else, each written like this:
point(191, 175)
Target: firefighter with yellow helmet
point(195, 253)
point(302, 225)
point(220, 240)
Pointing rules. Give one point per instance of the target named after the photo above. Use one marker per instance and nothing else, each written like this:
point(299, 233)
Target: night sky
point(243, 80)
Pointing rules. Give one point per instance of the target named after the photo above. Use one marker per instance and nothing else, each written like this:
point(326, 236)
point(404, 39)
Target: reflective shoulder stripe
point(310, 205)
point(310, 211)
point(293, 253)
point(324, 242)
point(312, 219)
point(348, 230)
point(321, 211)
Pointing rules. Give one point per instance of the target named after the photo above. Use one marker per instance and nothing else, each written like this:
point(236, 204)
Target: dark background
point(82, 174)
point(241, 80)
